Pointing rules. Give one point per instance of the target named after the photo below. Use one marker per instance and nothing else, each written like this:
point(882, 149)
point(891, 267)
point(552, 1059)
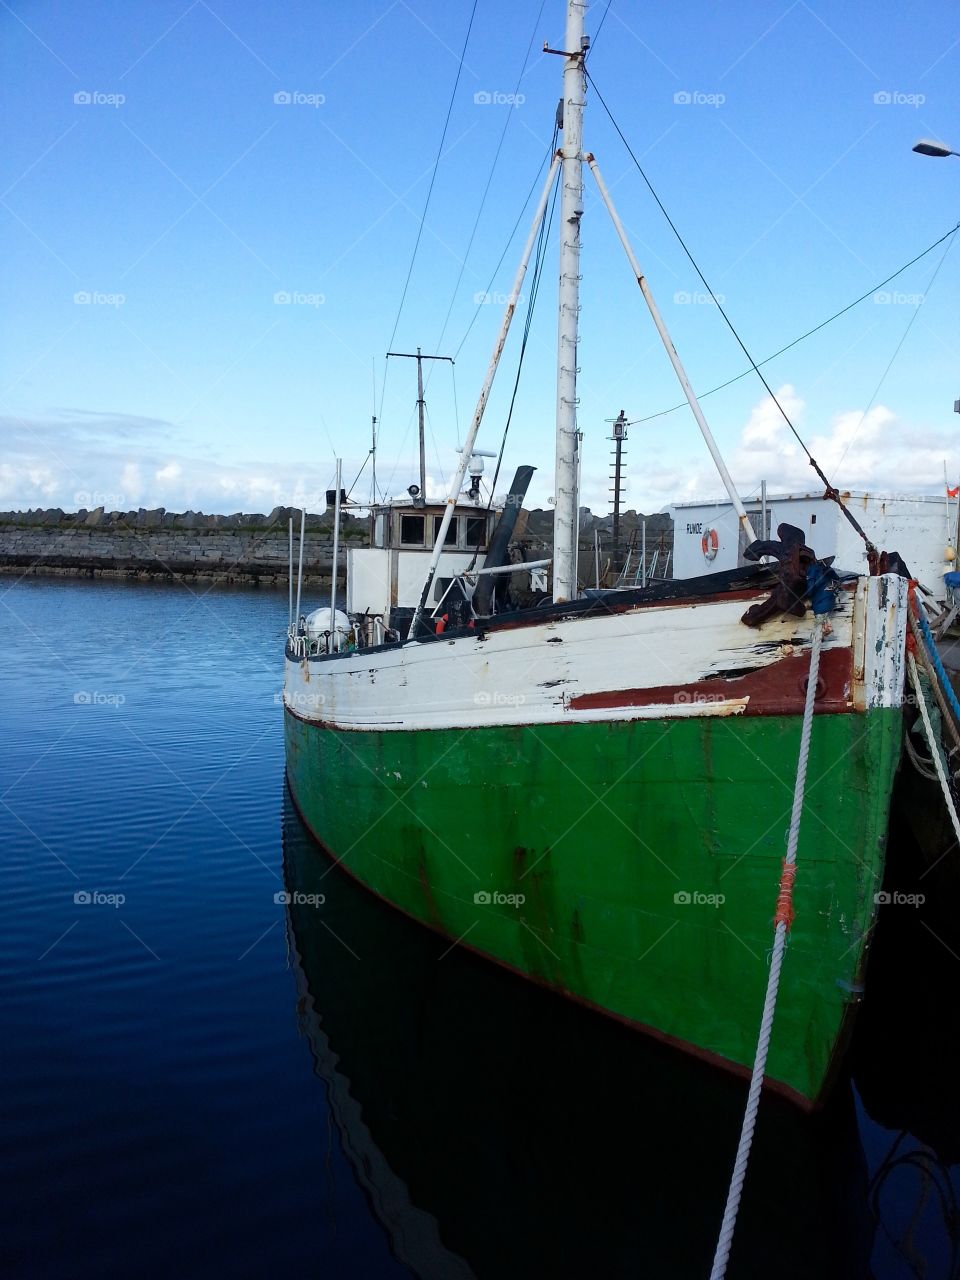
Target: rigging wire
point(906, 334)
point(456, 407)
point(486, 189)
point(830, 490)
point(433, 176)
point(542, 244)
point(506, 248)
point(436, 447)
point(596, 34)
point(662, 413)
point(363, 467)
point(533, 186)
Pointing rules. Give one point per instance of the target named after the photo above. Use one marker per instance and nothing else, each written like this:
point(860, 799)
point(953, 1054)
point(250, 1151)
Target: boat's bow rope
point(782, 921)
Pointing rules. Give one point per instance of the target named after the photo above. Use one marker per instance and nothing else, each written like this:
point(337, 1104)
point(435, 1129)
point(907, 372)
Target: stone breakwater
point(158, 544)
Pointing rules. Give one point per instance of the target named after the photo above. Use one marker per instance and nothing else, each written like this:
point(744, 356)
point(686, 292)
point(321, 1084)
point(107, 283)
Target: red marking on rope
point(911, 643)
point(784, 911)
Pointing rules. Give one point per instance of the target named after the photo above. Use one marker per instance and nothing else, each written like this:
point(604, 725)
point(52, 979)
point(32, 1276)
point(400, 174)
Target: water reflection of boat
point(502, 1131)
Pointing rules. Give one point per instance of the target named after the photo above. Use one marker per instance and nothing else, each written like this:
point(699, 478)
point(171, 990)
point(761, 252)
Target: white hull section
point(534, 674)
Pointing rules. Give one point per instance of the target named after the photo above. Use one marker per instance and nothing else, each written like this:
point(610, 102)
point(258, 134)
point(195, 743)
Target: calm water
point(199, 1080)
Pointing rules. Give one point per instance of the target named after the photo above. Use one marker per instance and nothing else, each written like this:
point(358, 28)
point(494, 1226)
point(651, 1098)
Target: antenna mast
point(409, 355)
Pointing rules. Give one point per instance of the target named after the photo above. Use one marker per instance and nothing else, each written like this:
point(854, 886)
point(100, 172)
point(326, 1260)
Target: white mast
point(566, 511)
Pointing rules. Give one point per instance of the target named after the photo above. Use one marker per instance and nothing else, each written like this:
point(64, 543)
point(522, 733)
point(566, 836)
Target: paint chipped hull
point(615, 831)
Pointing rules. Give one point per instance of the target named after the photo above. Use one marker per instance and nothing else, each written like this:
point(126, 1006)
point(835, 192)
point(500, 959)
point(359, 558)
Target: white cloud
point(89, 460)
point(172, 471)
point(131, 484)
point(873, 451)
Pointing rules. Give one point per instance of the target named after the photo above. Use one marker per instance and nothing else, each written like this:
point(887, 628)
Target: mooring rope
point(782, 920)
point(930, 671)
point(932, 744)
point(931, 645)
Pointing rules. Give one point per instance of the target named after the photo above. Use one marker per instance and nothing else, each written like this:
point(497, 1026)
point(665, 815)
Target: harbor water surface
point(222, 1056)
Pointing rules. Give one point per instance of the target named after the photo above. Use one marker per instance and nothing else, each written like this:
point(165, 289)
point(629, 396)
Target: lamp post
point(927, 147)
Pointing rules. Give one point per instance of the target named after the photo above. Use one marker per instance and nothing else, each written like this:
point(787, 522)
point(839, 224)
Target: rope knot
point(784, 911)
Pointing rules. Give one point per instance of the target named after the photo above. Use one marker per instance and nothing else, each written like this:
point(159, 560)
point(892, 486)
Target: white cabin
point(388, 576)
point(923, 529)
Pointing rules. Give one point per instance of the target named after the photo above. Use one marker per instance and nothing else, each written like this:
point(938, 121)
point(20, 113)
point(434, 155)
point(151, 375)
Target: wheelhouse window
point(476, 531)
point(451, 538)
point(411, 531)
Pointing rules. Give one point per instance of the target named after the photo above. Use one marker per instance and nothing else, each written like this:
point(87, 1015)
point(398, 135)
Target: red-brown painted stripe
point(774, 690)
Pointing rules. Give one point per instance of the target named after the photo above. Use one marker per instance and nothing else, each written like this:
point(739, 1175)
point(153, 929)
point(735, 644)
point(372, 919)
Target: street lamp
point(927, 147)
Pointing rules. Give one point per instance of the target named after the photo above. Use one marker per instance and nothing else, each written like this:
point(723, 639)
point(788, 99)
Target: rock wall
point(158, 544)
point(253, 549)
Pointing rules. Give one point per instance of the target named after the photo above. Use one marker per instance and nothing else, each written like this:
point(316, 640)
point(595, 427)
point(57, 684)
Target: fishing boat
point(594, 790)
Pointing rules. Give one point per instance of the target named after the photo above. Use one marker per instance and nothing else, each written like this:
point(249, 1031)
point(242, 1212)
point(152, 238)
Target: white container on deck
point(706, 535)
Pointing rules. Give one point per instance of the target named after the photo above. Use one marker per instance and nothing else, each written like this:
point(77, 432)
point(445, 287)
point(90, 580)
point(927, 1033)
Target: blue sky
point(181, 198)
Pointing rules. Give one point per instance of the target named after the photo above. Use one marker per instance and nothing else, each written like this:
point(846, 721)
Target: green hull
point(604, 829)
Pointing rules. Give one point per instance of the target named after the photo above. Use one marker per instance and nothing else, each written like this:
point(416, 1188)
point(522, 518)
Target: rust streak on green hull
point(610, 831)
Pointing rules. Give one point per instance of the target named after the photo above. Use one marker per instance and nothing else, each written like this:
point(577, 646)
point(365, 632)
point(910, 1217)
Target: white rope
point(932, 744)
point(724, 1243)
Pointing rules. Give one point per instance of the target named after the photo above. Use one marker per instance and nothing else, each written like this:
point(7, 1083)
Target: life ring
point(710, 544)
